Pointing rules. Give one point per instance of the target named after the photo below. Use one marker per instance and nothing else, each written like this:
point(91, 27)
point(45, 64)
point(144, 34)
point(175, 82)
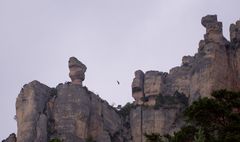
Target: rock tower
point(72, 113)
point(77, 70)
point(215, 66)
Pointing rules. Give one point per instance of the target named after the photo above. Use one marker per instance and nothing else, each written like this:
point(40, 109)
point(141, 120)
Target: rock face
point(72, 113)
point(78, 114)
point(165, 117)
point(164, 120)
point(215, 66)
point(69, 112)
point(235, 33)
point(11, 138)
point(137, 87)
point(31, 109)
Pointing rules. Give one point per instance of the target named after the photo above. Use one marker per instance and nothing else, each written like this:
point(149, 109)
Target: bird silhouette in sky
point(118, 82)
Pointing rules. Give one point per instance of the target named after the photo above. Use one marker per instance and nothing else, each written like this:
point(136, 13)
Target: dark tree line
point(215, 119)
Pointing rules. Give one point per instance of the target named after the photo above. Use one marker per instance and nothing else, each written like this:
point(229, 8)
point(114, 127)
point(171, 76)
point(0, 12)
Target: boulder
point(77, 70)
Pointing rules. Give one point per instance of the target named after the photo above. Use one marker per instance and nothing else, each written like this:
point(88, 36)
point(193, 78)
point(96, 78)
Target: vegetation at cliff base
point(186, 134)
point(215, 119)
point(177, 98)
point(219, 117)
point(55, 140)
point(199, 136)
point(153, 137)
point(90, 139)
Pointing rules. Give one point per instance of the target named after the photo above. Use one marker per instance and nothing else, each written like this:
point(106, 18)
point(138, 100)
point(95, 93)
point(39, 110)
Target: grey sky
point(113, 38)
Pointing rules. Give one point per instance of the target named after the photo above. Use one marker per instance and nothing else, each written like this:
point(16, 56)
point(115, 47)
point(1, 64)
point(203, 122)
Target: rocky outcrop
point(72, 113)
point(165, 117)
point(137, 87)
point(77, 114)
point(214, 67)
point(77, 70)
point(12, 138)
point(69, 112)
point(164, 120)
point(213, 29)
point(235, 33)
point(32, 112)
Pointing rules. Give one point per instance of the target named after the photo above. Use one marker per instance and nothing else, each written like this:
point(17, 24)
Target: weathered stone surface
point(146, 86)
point(77, 70)
point(213, 29)
point(138, 87)
point(31, 112)
point(187, 60)
point(209, 20)
point(11, 138)
point(153, 83)
point(79, 114)
point(165, 120)
point(235, 32)
point(70, 112)
point(215, 66)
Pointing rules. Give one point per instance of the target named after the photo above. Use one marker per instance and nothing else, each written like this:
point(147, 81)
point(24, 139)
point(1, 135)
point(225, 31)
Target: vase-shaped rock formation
point(77, 70)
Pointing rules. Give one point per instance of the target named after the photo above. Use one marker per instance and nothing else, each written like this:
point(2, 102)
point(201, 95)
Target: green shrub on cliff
point(153, 137)
point(218, 117)
point(55, 140)
point(199, 136)
point(125, 110)
point(177, 98)
point(215, 119)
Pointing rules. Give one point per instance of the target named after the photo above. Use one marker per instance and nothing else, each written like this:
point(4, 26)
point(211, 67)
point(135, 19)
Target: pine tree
point(199, 136)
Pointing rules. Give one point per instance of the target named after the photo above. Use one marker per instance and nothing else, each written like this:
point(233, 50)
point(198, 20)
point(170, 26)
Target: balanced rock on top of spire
point(77, 70)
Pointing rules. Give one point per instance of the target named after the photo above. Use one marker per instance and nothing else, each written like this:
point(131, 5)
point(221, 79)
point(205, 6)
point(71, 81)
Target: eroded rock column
point(77, 70)
point(235, 32)
point(213, 29)
point(32, 113)
point(138, 88)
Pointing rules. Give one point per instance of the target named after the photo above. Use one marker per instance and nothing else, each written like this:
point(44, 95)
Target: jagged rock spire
point(235, 32)
point(77, 70)
point(213, 29)
point(138, 87)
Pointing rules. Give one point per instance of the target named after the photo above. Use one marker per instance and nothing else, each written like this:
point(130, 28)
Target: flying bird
point(118, 82)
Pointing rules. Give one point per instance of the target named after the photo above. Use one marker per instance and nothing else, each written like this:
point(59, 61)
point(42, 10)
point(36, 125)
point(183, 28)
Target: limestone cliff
point(69, 112)
point(214, 67)
point(72, 113)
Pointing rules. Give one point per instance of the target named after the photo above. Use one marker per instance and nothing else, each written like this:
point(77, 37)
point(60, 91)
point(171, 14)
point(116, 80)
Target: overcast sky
point(113, 38)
